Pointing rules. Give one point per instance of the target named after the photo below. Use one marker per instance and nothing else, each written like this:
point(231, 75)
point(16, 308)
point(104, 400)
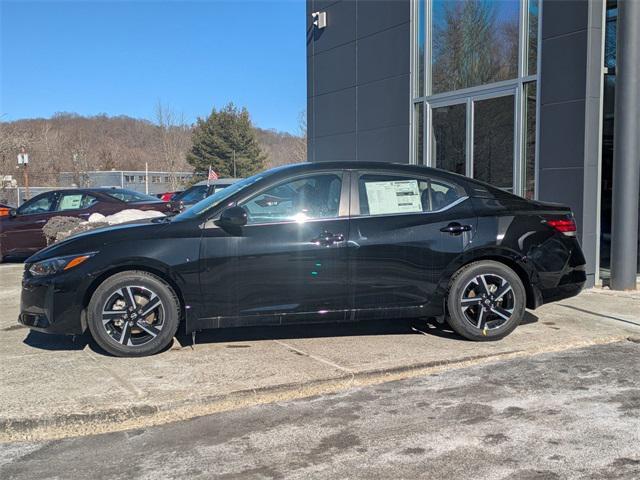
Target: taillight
point(566, 225)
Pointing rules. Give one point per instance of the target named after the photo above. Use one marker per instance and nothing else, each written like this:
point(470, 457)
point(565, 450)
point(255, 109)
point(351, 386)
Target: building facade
point(151, 182)
point(518, 93)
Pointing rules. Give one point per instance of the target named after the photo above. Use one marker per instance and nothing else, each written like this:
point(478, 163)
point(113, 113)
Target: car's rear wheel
point(133, 314)
point(486, 301)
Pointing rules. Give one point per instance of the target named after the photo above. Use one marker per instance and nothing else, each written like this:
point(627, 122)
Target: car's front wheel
point(486, 301)
point(133, 314)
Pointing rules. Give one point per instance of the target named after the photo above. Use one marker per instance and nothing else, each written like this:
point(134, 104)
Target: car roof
point(368, 165)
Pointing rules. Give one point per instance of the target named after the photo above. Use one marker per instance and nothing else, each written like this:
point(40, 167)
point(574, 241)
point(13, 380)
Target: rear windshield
point(193, 194)
point(129, 196)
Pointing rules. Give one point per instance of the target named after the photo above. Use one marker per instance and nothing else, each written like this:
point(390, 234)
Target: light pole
point(23, 159)
point(626, 160)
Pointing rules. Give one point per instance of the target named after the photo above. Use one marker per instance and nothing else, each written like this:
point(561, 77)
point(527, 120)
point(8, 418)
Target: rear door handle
point(327, 238)
point(455, 228)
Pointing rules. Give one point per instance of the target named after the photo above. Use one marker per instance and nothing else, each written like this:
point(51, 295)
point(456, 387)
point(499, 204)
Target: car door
point(22, 234)
point(405, 230)
point(289, 262)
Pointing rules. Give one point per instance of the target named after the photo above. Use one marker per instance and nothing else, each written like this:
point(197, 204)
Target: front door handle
point(455, 228)
point(327, 238)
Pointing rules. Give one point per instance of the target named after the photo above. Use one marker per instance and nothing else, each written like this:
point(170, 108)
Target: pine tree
point(224, 135)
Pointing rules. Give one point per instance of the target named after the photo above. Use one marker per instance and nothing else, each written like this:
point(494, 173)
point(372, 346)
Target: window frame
point(355, 192)
point(343, 206)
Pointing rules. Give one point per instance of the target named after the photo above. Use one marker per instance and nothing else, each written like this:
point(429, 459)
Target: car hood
point(93, 240)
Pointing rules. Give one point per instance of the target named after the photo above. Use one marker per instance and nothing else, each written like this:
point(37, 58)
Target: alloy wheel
point(487, 301)
point(133, 315)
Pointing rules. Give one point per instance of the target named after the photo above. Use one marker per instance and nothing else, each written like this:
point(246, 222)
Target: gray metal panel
point(562, 134)
point(341, 26)
point(379, 15)
point(564, 66)
point(378, 56)
point(563, 185)
point(383, 103)
point(384, 145)
point(336, 147)
point(335, 113)
point(564, 16)
point(326, 77)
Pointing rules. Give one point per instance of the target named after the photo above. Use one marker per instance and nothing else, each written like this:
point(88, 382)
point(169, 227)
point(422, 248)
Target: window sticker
point(400, 196)
point(70, 202)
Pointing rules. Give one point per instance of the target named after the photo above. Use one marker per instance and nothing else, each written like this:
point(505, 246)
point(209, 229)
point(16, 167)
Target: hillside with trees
point(68, 142)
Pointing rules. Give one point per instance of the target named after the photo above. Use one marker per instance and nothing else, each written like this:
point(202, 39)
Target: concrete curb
point(147, 414)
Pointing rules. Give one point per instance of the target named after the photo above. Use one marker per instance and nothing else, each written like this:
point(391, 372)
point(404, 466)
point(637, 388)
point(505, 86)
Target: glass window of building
point(533, 14)
point(479, 102)
point(529, 144)
point(474, 42)
point(449, 138)
point(493, 141)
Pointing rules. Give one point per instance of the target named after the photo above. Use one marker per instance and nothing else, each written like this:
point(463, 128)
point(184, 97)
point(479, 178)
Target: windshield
point(217, 198)
point(129, 196)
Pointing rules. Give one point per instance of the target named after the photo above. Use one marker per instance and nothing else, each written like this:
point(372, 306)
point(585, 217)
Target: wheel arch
point(515, 262)
point(158, 271)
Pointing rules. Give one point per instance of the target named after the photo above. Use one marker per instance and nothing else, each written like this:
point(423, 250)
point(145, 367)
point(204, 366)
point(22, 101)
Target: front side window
point(40, 204)
point(306, 198)
point(396, 194)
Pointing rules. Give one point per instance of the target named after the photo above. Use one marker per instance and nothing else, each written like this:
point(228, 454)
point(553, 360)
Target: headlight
point(58, 264)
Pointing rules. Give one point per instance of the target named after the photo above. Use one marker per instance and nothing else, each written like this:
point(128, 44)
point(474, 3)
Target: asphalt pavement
point(566, 415)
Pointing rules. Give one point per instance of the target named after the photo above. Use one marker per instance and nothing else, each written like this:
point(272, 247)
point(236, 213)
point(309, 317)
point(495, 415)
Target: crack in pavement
point(314, 357)
point(131, 388)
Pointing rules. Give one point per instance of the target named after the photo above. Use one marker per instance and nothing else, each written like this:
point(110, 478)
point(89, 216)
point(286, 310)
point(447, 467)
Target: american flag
point(212, 175)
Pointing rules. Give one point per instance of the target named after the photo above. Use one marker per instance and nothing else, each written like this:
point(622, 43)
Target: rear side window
point(130, 196)
point(397, 194)
point(75, 201)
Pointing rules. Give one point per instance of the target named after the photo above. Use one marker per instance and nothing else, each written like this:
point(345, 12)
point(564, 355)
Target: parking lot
point(54, 387)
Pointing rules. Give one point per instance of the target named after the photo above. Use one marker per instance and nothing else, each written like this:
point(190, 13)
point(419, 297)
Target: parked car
point(198, 191)
point(312, 242)
point(5, 209)
point(21, 231)
point(165, 197)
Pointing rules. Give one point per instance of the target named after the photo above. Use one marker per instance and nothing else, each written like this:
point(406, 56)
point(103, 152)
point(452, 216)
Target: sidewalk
point(51, 387)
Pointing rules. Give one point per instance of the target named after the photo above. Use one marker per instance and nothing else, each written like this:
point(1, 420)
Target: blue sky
point(121, 57)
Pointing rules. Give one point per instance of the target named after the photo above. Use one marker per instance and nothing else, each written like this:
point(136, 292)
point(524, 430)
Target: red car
point(167, 196)
point(21, 231)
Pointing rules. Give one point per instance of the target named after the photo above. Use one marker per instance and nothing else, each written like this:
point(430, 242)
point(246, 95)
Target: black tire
point(480, 296)
point(143, 333)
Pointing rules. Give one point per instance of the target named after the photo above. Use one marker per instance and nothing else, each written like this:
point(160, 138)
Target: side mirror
point(233, 217)
point(13, 213)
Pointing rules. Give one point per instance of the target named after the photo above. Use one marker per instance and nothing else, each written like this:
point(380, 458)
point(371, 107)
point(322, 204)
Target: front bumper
point(53, 304)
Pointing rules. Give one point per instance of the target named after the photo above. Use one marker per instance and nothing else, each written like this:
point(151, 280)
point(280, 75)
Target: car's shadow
point(245, 334)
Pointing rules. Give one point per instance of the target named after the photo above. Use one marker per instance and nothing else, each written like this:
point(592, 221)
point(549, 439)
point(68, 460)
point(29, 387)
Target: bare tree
point(174, 141)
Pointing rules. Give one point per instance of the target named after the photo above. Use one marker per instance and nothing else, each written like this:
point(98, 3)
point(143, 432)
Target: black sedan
point(312, 242)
